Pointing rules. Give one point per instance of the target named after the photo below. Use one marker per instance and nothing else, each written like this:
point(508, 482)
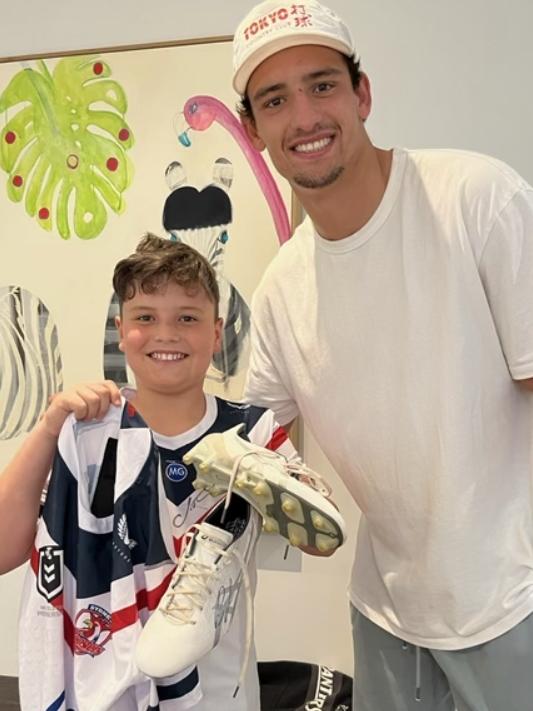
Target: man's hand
point(89, 401)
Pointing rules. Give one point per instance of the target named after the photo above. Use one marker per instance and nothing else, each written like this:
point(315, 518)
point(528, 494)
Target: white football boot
point(290, 497)
point(198, 606)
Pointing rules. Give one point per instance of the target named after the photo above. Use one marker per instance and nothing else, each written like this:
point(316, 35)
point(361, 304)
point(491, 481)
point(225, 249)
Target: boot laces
point(193, 582)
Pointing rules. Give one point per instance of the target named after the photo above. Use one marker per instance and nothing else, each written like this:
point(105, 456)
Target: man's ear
point(118, 324)
point(250, 129)
point(364, 94)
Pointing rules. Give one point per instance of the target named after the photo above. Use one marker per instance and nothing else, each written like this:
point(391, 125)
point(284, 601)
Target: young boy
point(121, 507)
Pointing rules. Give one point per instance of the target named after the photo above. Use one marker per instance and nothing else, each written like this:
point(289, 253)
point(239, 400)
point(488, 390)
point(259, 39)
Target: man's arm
point(23, 479)
point(267, 377)
point(506, 270)
point(527, 383)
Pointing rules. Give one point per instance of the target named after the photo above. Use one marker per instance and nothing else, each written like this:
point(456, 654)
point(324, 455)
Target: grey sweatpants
point(496, 676)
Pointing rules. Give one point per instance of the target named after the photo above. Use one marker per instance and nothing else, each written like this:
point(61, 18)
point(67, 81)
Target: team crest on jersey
point(92, 630)
point(176, 471)
point(50, 572)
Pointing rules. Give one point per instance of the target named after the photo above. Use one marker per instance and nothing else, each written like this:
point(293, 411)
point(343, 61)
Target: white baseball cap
point(273, 25)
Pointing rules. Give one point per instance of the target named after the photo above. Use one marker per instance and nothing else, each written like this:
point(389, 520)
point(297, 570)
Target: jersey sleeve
point(267, 381)
point(267, 432)
point(506, 270)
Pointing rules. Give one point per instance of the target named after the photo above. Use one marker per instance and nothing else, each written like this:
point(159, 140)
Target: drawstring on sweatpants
point(418, 674)
point(418, 671)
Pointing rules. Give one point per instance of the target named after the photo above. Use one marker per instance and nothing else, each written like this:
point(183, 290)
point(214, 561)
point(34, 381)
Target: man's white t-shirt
point(399, 346)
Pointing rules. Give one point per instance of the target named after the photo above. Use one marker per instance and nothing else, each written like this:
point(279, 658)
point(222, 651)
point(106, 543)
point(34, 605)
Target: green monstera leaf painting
point(64, 144)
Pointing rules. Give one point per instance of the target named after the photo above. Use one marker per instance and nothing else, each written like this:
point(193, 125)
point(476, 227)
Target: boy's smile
point(168, 356)
point(168, 338)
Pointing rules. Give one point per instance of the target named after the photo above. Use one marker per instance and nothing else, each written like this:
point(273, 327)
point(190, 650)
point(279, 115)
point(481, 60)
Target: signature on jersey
point(193, 508)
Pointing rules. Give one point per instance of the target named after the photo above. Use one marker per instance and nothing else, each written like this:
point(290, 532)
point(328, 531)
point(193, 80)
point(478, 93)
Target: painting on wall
point(95, 150)
point(65, 136)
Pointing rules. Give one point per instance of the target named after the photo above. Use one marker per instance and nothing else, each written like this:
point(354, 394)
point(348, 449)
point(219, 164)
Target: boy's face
point(169, 338)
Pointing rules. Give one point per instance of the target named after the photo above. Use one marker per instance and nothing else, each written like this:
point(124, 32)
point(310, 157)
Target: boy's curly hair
point(155, 262)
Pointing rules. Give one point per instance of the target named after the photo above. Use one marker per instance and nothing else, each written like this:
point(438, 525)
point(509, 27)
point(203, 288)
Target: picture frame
point(93, 144)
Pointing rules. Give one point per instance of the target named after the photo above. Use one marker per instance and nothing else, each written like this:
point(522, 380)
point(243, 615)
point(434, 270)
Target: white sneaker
point(198, 606)
point(289, 496)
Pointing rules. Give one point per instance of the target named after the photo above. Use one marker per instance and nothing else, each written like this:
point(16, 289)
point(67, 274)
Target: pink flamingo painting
point(200, 112)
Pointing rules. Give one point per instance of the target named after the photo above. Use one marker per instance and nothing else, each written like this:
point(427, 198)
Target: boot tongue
point(206, 541)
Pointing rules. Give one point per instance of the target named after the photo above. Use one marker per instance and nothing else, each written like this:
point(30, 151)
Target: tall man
point(398, 321)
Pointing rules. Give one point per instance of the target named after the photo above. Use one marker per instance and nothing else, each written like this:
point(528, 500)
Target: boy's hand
point(88, 401)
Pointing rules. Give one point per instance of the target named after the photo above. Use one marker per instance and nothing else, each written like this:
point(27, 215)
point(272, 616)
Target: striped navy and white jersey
point(103, 557)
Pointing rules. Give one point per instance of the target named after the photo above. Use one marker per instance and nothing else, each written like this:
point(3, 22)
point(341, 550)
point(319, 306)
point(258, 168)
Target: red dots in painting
point(98, 68)
point(17, 181)
point(123, 134)
point(44, 213)
point(10, 137)
point(112, 164)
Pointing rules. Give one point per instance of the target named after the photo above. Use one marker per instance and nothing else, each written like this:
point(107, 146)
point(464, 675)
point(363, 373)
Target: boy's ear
point(250, 129)
point(118, 324)
point(219, 327)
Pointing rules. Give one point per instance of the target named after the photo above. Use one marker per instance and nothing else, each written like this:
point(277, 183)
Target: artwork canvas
point(96, 149)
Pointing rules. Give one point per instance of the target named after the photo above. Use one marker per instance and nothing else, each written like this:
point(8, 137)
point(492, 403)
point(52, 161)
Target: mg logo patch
point(176, 471)
point(50, 572)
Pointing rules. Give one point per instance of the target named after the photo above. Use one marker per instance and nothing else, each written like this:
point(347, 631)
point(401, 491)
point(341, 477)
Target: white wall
point(453, 74)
